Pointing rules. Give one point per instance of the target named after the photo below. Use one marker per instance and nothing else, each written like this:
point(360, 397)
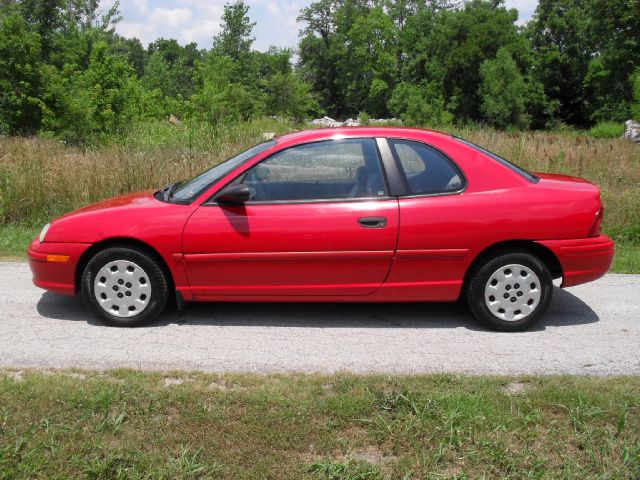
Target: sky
point(199, 20)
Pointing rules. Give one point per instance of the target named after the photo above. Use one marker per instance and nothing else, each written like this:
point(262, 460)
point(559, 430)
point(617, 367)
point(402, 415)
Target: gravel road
point(592, 329)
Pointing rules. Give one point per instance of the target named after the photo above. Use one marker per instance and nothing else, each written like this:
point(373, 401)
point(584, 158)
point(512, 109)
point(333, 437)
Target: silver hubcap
point(513, 292)
point(122, 288)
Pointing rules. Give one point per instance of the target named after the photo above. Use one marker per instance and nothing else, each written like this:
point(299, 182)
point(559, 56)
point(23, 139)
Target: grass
point(627, 258)
point(41, 178)
point(607, 130)
point(128, 424)
point(14, 239)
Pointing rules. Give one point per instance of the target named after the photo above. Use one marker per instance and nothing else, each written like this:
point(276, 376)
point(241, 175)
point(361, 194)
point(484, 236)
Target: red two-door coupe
point(336, 215)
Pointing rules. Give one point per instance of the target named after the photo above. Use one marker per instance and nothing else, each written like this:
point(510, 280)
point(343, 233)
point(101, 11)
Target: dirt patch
point(170, 381)
point(373, 455)
point(225, 386)
point(16, 376)
point(516, 388)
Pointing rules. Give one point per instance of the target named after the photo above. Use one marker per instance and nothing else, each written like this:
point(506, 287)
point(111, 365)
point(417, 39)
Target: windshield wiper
point(167, 192)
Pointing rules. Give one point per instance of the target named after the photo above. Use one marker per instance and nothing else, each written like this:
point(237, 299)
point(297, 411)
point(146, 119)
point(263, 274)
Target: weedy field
point(41, 178)
point(134, 425)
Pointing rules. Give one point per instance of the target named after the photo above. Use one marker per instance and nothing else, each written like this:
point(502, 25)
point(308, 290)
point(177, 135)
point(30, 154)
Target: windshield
point(528, 175)
point(190, 189)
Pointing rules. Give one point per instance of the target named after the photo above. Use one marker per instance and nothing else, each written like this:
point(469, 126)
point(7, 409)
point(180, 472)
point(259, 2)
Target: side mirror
point(234, 194)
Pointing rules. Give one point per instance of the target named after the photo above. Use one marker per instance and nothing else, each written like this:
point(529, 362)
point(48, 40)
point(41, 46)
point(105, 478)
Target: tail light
point(596, 227)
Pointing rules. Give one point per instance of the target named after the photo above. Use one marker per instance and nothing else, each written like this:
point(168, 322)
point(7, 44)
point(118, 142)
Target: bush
point(421, 106)
point(635, 85)
point(607, 130)
point(503, 92)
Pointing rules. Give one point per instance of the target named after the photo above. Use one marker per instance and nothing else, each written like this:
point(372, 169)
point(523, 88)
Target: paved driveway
point(589, 329)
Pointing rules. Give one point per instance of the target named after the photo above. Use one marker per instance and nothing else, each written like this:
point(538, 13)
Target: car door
point(320, 222)
point(434, 239)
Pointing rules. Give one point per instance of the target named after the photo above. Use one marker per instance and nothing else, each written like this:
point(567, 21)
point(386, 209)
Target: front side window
point(332, 169)
point(427, 170)
point(190, 189)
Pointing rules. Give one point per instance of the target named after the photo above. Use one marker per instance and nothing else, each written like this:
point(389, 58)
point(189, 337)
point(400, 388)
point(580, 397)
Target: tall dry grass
point(42, 178)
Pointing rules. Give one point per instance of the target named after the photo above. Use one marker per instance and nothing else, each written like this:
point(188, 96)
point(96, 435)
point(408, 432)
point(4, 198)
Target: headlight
point(44, 231)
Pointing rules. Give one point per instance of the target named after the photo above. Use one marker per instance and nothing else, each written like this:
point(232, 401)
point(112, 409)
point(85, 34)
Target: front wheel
point(125, 286)
point(510, 292)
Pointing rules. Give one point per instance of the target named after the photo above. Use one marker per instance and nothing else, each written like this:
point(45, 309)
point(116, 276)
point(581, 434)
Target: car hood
point(137, 199)
point(134, 215)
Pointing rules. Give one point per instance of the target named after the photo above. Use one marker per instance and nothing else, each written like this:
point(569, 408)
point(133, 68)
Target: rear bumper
point(582, 260)
point(54, 265)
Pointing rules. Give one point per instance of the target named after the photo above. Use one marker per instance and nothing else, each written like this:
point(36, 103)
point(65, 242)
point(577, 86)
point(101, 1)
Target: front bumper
point(54, 265)
point(582, 260)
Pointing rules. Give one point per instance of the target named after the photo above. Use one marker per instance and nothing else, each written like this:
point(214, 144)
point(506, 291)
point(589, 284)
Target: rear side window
point(428, 171)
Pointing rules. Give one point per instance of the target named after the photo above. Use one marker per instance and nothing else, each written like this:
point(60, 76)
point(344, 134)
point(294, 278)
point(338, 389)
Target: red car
point(335, 215)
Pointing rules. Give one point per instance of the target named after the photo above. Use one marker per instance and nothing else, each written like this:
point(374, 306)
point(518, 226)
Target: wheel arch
point(536, 249)
point(125, 242)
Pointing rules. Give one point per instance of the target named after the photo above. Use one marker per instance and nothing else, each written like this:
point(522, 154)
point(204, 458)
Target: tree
point(234, 39)
point(372, 63)
point(614, 32)
point(635, 85)
point(503, 92)
point(458, 42)
point(420, 105)
point(221, 97)
point(288, 95)
point(170, 72)
point(85, 103)
point(559, 37)
point(20, 80)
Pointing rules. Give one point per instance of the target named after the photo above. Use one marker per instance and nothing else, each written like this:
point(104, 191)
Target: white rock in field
point(351, 123)
point(326, 122)
point(632, 130)
point(268, 135)
point(384, 121)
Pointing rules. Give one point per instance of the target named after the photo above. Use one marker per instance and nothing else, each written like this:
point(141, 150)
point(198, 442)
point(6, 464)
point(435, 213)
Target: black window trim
point(404, 192)
point(240, 177)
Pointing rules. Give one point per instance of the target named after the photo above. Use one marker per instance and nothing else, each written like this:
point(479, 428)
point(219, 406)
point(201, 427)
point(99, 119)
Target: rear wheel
point(510, 292)
point(125, 286)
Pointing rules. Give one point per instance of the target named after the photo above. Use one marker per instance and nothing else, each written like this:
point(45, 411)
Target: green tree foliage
point(420, 105)
point(503, 92)
point(64, 70)
point(614, 30)
point(357, 53)
point(559, 35)
point(574, 59)
point(170, 74)
point(235, 38)
point(635, 84)
point(586, 51)
point(20, 80)
point(221, 99)
point(99, 99)
point(235, 83)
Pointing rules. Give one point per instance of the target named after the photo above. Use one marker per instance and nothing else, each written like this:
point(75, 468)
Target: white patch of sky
point(199, 20)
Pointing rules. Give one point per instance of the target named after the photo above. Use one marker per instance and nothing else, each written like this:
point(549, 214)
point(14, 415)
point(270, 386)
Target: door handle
point(373, 222)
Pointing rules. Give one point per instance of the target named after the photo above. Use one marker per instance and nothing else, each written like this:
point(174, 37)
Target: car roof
point(327, 133)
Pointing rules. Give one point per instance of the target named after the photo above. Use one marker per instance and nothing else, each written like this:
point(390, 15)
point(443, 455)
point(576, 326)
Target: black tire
point(157, 280)
point(484, 273)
